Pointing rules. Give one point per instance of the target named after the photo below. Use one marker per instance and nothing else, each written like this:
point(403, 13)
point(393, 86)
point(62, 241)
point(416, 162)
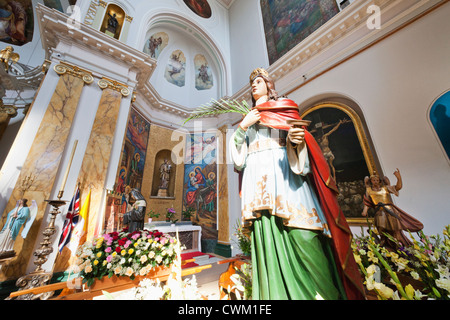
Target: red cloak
point(274, 115)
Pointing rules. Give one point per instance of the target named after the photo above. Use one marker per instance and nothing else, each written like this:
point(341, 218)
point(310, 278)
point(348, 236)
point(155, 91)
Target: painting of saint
point(200, 7)
point(131, 168)
point(16, 21)
point(155, 44)
point(203, 74)
point(176, 69)
point(288, 22)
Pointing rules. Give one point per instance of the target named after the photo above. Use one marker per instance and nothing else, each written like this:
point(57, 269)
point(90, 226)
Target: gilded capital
point(114, 85)
point(63, 68)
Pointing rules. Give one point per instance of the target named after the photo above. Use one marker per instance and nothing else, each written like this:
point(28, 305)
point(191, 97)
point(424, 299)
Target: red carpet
point(191, 255)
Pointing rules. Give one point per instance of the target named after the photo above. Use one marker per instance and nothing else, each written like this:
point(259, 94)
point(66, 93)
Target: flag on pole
point(71, 220)
point(80, 229)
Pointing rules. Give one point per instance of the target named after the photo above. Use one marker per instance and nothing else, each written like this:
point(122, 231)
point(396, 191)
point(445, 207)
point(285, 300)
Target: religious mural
point(16, 21)
point(155, 44)
point(440, 118)
point(203, 74)
point(200, 182)
point(338, 133)
point(131, 168)
point(288, 22)
point(176, 69)
point(200, 7)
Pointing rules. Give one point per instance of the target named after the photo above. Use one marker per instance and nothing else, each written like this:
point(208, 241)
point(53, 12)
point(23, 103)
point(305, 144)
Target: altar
point(189, 234)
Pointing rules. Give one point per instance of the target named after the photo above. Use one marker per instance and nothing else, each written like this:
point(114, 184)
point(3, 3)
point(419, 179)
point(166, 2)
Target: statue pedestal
point(163, 193)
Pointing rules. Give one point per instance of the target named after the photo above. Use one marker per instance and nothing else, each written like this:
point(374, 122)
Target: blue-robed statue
point(20, 216)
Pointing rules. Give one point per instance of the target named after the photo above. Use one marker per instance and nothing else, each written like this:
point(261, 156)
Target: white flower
point(415, 275)
point(443, 283)
point(143, 259)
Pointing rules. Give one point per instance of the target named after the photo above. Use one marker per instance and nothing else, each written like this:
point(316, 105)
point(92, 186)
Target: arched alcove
point(184, 35)
point(113, 21)
point(162, 157)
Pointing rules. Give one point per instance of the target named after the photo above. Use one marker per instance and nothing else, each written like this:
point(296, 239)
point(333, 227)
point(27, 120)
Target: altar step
point(206, 259)
point(199, 259)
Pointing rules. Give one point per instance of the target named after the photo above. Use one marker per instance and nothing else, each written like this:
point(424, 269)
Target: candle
point(68, 167)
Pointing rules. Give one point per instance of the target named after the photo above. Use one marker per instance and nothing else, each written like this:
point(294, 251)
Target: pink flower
point(108, 250)
point(135, 236)
point(127, 244)
point(109, 258)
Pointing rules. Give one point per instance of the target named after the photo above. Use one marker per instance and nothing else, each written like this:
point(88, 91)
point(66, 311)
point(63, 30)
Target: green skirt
point(291, 263)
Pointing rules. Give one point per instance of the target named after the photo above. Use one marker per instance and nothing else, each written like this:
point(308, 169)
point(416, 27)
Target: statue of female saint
point(300, 238)
point(135, 218)
point(15, 220)
point(388, 217)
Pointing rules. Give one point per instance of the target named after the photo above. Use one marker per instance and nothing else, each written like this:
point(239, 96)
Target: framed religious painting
point(339, 132)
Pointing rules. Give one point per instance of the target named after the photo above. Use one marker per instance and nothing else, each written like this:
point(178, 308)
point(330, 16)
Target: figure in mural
point(175, 69)
point(13, 22)
point(156, 44)
point(388, 218)
point(300, 239)
point(203, 74)
point(20, 216)
point(135, 218)
point(164, 171)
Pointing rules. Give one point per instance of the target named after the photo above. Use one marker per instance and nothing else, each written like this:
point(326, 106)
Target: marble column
point(95, 163)
point(43, 160)
point(223, 247)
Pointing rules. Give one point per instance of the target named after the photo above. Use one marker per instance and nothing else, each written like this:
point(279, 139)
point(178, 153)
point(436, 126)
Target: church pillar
point(93, 172)
point(223, 247)
point(43, 160)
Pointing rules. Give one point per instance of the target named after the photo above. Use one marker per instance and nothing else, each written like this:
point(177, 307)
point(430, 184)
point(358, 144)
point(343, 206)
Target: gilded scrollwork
point(114, 85)
point(65, 68)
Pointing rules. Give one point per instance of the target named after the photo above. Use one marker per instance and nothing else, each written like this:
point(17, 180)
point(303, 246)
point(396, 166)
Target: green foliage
point(215, 108)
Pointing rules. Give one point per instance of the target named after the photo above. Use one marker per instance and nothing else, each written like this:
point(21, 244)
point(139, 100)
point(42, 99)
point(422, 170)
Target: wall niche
point(164, 173)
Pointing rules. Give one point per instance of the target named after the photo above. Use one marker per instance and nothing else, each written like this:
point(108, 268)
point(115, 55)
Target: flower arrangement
point(426, 263)
point(125, 254)
point(170, 214)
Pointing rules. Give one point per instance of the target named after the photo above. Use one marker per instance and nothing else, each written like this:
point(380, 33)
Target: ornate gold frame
point(356, 120)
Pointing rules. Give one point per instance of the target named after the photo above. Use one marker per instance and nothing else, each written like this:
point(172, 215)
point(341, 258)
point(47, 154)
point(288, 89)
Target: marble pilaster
point(95, 163)
point(43, 160)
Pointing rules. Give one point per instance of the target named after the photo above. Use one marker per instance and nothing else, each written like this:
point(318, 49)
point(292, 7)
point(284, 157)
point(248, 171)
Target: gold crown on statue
point(258, 72)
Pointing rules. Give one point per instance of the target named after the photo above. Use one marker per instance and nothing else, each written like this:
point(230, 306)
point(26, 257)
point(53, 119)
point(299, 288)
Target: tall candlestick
point(68, 168)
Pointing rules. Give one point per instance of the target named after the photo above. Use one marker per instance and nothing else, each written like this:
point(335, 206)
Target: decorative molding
point(63, 68)
point(114, 85)
point(129, 18)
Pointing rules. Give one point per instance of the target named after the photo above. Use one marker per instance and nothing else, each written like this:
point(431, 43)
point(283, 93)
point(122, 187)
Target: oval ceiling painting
point(200, 7)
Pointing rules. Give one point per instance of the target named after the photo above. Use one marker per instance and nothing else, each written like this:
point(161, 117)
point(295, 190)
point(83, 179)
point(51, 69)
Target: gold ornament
point(258, 72)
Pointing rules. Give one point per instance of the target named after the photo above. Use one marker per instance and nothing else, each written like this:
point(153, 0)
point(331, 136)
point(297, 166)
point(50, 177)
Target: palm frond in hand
point(215, 108)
